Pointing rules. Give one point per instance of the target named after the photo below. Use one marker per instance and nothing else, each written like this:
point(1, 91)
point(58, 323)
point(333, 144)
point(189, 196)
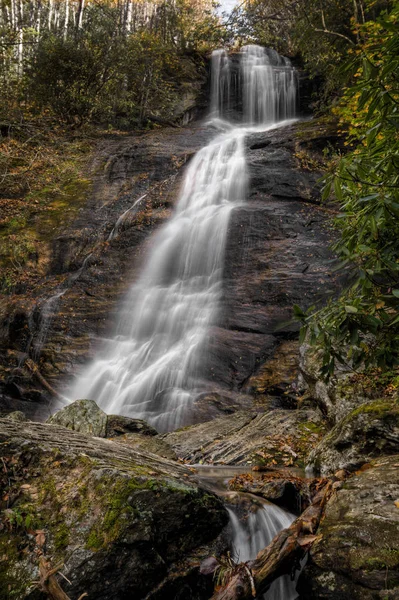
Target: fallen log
point(282, 555)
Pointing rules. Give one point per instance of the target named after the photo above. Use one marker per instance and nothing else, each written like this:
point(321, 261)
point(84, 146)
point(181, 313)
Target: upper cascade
point(263, 89)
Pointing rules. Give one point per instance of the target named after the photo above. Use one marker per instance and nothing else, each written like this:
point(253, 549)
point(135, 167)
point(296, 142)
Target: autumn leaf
point(40, 538)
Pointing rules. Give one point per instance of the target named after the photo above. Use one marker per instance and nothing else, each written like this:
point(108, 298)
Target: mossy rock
point(116, 518)
point(356, 556)
point(368, 431)
point(82, 415)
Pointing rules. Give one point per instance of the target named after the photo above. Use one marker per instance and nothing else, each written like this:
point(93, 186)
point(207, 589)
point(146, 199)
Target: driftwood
point(252, 579)
point(34, 369)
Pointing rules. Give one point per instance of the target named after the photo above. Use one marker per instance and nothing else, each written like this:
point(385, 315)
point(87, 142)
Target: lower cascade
point(254, 533)
point(151, 368)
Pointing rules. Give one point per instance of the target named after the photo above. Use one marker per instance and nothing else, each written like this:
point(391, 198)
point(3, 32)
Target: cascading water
point(254, 533)
point(220, 82)
point(268, 86)
point(150, 368)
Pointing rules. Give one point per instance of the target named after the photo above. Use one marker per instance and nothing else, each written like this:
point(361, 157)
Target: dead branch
point(34, 369)
point(288, 547)
point(49, 584)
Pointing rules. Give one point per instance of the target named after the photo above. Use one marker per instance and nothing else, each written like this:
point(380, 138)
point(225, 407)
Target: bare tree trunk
point(20, 37)
point(66, 19)
point(80, 13)
point(50, 14)
point(129, 18)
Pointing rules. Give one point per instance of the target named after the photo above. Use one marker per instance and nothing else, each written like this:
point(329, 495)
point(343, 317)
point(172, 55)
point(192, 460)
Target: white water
point(150, 367)
point(269, 86)
point(255, 533)
point(220, 82)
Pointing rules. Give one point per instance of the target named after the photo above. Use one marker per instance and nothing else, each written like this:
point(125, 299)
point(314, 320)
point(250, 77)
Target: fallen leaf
point(40, 538)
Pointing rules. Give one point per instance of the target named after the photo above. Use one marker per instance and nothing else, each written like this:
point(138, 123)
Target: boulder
point(17, 416)
point(118, 425)
point(118, 520)
point(368, 431)
point(356, 554)
point(82, 415)
point(276, 437)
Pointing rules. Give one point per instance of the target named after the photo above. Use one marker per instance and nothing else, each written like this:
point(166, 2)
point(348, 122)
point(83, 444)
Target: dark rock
point(356, 555)
point(276, 255)
point(119, 425)
point(283, 489)
point(119, 520)
point(82, 415)
point(262, 143)
point(369, 431)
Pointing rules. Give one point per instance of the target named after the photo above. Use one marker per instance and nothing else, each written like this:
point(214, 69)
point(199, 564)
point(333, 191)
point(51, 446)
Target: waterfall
point(150, 368)
point(268, 86)
point(254, 533)
point(220, 83)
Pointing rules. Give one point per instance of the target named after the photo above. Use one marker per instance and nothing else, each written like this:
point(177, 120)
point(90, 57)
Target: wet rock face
point(116, 518)
point(369, 431)
point(276, 256)
point(357, 554)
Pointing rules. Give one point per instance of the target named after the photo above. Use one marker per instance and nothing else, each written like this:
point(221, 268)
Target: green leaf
point(351, 309)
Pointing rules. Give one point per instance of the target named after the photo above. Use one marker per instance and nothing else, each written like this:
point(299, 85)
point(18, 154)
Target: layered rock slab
point(118, 519)
point(276, 437)
point(356, 556)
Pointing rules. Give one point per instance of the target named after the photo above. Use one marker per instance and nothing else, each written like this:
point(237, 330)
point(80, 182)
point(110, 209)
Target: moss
point(115, 499)
point(14, 578)
point(32, 222)
point(380, 408)
point(376, 558)
point(310, 427)
point(61, 537)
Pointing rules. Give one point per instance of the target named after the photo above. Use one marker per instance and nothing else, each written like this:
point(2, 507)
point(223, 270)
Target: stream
point(253, 524)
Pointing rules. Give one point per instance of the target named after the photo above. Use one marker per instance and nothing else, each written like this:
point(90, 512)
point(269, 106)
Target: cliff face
point(277, 255)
